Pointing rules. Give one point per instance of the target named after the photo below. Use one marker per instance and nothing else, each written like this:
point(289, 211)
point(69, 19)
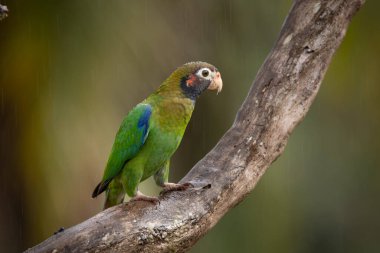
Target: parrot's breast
point(168, 124)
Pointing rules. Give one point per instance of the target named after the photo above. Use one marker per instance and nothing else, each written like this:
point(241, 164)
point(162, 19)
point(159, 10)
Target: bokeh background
point(70, 71)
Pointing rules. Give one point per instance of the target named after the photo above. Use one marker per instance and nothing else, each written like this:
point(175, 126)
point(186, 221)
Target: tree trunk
point(279, 98)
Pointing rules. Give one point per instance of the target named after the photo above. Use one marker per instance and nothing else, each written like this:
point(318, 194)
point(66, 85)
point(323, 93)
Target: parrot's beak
point(216, 83)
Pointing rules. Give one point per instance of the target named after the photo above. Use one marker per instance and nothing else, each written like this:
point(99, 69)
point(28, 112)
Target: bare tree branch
point(281, 95)
point(3, 11)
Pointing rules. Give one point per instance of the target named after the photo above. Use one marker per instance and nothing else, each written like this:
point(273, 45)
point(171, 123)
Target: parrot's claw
point(141, 197)
point(168, 187)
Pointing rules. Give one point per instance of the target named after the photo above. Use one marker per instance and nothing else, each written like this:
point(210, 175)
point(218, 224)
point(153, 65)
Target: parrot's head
point(195, 77)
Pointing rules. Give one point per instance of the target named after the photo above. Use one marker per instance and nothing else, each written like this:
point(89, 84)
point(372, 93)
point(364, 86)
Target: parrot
point(151, 133)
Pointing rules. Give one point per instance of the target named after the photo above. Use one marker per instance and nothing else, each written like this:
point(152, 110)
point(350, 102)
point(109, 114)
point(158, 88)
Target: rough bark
point(279, 98)
point(3, 11)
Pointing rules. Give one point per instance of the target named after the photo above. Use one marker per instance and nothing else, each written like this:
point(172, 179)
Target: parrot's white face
point(213, 76)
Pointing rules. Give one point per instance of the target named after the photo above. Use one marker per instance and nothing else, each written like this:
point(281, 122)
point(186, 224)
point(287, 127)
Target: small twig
point(3, 11)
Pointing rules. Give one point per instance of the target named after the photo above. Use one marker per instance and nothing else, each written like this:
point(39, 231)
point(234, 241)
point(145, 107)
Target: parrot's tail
point(101, 187)
point(114, 196)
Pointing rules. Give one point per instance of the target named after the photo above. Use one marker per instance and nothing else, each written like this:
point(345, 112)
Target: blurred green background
point(70, 71)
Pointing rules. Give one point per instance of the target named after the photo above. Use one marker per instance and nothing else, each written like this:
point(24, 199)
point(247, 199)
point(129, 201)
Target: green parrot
point(151, 133)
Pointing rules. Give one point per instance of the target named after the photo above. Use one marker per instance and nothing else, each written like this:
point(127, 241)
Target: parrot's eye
point(204, 72)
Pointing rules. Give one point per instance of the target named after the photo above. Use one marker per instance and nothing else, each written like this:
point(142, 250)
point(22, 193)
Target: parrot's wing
point(129, 139)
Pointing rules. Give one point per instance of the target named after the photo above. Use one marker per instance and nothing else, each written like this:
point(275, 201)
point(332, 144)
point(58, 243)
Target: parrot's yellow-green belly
point(160, 147)
point(167, 128)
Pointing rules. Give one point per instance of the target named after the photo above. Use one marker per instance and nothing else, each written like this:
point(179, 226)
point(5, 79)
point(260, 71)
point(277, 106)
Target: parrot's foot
point(141, 197)
point(168, 187)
